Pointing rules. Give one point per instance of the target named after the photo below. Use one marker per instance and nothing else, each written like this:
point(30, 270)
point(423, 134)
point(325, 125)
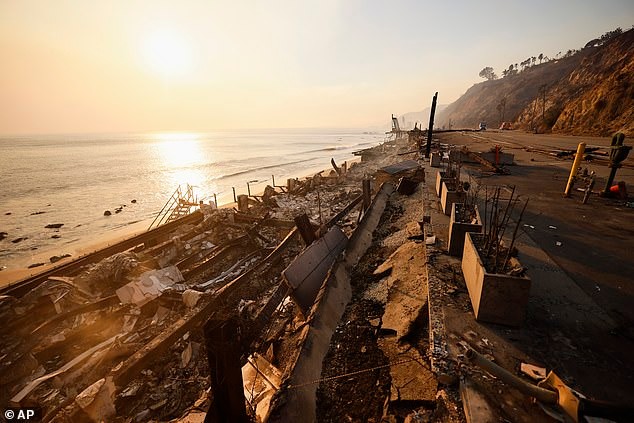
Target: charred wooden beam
point(367, 194)
point(336, 218)
point(184, 264)
point(20, 288)
point(215, 258)
point(130, 368)
point(305, 228)
point(223, 340)
point(98, 305)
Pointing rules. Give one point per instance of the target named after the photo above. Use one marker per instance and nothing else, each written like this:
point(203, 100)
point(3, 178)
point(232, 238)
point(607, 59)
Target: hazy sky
point(110, 66)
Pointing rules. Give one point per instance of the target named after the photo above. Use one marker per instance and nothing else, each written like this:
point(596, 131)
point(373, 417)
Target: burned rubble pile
point(121, 339)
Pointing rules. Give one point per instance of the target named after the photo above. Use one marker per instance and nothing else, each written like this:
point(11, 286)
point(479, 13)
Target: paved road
point(597, 239)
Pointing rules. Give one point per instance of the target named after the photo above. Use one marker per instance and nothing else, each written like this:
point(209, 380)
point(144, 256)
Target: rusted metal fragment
point(307, 272)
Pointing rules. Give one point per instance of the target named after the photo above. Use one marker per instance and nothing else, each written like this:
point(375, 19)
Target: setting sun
point(167, 54)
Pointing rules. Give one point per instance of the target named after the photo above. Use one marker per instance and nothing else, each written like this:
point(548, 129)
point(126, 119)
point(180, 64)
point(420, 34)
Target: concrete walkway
point(565, 330)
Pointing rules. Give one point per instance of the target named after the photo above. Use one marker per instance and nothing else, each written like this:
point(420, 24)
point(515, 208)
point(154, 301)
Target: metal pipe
point(540, 394)
point(575, 167)
point(610, 181)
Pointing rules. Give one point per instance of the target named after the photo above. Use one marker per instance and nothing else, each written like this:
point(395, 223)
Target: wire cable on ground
point(358, 372)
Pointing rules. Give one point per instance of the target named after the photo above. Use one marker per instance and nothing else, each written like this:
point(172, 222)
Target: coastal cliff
point(587, 92)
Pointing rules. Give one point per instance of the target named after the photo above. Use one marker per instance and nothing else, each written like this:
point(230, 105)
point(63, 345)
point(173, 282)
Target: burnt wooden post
point(243, 203)
point(223, 352)
point(367, 194)
point(430, 130)
point(305, 229)
point(290, 184)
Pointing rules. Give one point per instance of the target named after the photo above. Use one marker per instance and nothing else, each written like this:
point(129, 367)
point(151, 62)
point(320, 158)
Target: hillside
point(590, 92)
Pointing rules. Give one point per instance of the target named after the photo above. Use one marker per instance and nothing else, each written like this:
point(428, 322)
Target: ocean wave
point(255, 169)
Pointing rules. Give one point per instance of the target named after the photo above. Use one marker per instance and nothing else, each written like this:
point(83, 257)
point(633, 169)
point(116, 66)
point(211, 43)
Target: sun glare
point(167, 54)
point(180, 154)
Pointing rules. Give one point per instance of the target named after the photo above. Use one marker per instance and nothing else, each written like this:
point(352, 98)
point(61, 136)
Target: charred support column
point(367, 194)
point(290, 184)
point(223, 352)
point(430, 130)
point(305, 229)
point(243, 203)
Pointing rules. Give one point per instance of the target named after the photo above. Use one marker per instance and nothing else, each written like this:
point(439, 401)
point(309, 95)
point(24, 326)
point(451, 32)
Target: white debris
point(150, 285)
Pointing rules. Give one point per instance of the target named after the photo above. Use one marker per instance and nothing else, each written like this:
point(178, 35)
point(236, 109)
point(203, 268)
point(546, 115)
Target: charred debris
point(128, 332)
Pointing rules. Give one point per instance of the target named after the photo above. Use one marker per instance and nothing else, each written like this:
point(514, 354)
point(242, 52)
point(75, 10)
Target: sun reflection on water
point(182, 155)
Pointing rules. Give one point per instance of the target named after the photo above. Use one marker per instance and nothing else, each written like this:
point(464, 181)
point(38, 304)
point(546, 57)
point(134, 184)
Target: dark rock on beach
point(56, 236)
point(107, 213)
point(54, 225)
point(55, 259)
point(37, 212)
point(3, 235)
point(15, 241)
point(31, 266)
point(133, 201)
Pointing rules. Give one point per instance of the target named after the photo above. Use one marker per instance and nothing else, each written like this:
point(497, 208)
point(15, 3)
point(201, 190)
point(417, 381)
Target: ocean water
point(73, 179)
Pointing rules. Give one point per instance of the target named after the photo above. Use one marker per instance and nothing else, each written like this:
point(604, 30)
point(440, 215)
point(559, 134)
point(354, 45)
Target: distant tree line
point(489, 74)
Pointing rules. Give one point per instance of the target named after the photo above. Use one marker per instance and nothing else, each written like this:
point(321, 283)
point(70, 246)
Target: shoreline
point(17, 269)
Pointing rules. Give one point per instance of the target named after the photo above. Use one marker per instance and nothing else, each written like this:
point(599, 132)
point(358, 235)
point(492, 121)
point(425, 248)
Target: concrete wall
point(296, 400)
point(440, 178)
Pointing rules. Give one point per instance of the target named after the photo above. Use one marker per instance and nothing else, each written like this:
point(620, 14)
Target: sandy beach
point(17, 269)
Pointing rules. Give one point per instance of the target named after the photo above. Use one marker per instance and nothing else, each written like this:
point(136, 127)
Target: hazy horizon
point(199, 66)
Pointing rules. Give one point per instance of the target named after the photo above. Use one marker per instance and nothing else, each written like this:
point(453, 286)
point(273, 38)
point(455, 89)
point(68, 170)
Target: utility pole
point(430, 130)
